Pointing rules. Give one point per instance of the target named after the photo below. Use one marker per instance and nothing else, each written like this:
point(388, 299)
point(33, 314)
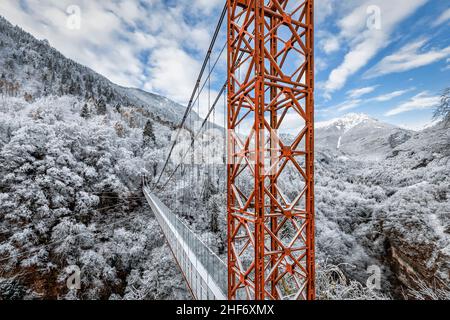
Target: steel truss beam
point(270, 149)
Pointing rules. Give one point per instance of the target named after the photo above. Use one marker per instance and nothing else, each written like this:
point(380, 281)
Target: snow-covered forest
point(70, 167)
point(73, 147)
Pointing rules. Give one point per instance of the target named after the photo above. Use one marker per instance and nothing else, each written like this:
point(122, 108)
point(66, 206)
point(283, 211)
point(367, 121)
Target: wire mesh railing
point(205, 272)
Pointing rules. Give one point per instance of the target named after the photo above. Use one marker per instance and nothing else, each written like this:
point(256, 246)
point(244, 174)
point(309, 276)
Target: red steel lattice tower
point(270, 149)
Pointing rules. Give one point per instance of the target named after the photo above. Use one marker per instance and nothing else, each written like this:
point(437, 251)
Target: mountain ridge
point(40, 70)
point(347, 121)
point(361, 136)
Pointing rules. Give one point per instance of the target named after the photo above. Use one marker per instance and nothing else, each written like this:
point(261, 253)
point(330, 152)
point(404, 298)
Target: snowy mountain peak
point(346, 122)
point(360, 135)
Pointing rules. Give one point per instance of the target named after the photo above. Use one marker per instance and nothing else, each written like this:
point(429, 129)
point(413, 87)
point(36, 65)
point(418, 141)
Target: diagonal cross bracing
point(270, 149)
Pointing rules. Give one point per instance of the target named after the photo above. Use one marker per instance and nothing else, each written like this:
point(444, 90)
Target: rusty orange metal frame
point(270, 149)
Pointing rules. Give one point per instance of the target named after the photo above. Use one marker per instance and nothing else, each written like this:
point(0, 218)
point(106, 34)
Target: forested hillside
point(73, 147)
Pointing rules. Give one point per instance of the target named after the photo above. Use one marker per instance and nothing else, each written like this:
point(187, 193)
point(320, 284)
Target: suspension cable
point(223, 89)
point(196, 87)
point(197, 135)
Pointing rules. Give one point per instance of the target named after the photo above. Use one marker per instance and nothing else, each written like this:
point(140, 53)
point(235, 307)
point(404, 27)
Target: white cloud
point(353, 61)
point(322, 9)
point(409, 57)
point(419, 102)
point(173, 72)
point(357, 93)
point(330, 44)
point(348, 105)
point(366, 42)
point(354, 100)
point(207, 6)
point(448, 65)
point(320, 64)
point(443, 18)
point(390, 96)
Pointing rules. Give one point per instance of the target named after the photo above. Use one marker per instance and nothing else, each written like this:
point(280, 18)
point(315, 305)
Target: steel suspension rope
point(196, 136)
point(223, 89)
point(196, 87)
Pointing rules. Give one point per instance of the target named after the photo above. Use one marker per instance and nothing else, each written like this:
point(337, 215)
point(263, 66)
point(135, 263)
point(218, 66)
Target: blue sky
point(395, 72)
point(389, 59)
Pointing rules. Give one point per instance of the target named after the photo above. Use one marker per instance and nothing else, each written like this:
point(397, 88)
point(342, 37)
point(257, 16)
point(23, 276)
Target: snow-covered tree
point(148, 134)
point(101, 107)
point(443, 110)
point(85, 112)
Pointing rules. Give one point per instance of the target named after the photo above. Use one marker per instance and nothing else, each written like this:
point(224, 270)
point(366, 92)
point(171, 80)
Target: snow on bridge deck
point(205, 273)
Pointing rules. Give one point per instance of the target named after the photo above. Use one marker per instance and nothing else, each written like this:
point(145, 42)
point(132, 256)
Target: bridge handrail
point(216, 267)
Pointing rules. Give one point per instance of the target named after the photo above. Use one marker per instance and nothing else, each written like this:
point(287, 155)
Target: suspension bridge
point(268, 153)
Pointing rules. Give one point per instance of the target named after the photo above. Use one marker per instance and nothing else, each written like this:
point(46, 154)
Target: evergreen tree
point(214, 212)
point(443, 110)
point(148, 134)
point(110, 97)
point(8, 133)
point(72, 88)
point(85, 112)
point(209, 188)
point(101, 107)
